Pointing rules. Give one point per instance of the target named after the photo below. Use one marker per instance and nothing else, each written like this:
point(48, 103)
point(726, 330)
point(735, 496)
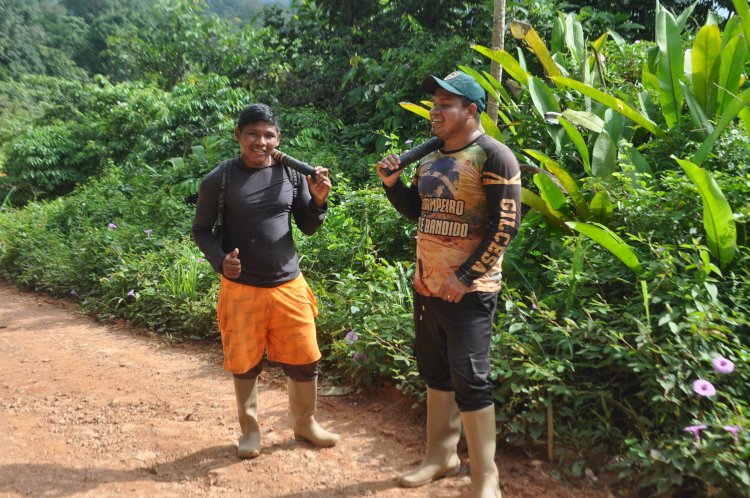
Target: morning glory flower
point(733, 430)
point(112, 226)
point(351, 337)
point(704, 388)
point(696, 430)
point(131, 293)
point(722, 365)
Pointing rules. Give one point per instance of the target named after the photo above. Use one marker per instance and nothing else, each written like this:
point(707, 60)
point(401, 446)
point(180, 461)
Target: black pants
point(453, 344)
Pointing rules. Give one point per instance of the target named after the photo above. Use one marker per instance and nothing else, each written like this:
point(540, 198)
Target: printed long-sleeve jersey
point(467, 205)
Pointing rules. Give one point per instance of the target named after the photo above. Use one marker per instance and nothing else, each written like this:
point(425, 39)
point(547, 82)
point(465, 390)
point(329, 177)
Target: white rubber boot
point(479, 428)
point(302, 400)
point(246, 391)
point(443, 432)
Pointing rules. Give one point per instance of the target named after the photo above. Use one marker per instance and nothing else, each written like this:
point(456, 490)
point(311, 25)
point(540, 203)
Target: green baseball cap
point(459, 83)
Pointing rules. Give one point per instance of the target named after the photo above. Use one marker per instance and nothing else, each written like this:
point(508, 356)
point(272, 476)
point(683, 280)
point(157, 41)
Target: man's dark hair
point(258, 113)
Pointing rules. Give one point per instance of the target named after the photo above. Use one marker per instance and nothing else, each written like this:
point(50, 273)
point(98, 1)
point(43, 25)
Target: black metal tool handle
point(293, 163)
point(416, 154)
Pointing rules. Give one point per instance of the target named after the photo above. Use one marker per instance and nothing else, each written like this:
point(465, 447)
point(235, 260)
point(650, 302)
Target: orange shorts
point(279, 319)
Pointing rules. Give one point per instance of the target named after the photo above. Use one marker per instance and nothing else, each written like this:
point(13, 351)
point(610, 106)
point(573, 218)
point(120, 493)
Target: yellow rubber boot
point(443, 433)
point(479, 429)
point(302, 400)
point(246, 391)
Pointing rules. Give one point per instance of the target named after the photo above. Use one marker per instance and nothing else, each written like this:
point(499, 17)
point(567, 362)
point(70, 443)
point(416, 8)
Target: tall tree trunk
point(498, 42)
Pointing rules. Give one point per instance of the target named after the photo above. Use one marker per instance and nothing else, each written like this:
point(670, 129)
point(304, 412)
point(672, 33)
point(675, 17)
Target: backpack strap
point(296, 178)
point(218, 232)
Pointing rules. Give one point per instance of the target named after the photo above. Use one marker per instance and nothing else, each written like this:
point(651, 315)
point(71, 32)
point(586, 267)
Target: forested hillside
point(622, 341)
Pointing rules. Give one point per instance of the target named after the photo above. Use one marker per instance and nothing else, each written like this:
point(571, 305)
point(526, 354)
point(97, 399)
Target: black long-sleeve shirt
point(257, 220)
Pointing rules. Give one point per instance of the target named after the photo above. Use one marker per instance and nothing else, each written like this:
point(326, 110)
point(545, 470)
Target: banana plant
point(709, 85)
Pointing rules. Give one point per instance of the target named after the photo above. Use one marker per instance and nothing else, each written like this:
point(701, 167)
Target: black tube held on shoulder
point(416, 154)
point(293, 163)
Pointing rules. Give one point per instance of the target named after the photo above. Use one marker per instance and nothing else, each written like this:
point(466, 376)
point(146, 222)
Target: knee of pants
point(301, 373)
point(252, 373)
point(471, 380)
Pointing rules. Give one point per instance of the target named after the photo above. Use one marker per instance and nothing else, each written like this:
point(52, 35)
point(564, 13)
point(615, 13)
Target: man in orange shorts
point(265, 304)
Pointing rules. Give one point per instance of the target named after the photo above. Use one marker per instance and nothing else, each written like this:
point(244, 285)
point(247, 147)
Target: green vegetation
point(629, 280)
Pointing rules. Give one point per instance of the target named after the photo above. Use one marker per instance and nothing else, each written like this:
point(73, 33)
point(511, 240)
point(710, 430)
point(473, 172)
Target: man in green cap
point(466, 200)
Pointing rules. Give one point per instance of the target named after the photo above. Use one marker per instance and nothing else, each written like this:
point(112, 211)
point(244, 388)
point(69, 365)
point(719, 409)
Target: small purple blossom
point(112, 226)
point(733, 430)
point(409, 142)
point(704, 388)
point(696, 430)
point(362, 357)
point(148, 232)
point(201, 260)
point(351, 337)
point(131, 293)
point(722, 365)
point(73, 293)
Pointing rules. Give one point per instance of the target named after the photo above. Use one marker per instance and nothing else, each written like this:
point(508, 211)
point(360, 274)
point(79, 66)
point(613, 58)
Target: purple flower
point(409, 142)
point(201, 260)
point(351, 337)
point(722, 365)
point(148, 232)
point(704, 388)
point(112, 226)
point(358, 357)
point(73, 293)
point(131, 293)
point(696, 430)
point(733, 430)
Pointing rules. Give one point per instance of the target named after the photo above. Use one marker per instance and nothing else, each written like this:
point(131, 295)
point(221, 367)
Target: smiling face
point(257, 140)
point(452, 120)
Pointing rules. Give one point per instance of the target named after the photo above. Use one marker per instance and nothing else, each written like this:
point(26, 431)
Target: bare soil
point(107, 410)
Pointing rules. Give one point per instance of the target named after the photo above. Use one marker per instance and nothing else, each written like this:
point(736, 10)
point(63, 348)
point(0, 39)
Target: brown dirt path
point(94, 410)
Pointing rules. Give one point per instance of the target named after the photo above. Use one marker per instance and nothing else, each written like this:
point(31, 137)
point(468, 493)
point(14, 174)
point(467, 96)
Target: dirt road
point(94, 410)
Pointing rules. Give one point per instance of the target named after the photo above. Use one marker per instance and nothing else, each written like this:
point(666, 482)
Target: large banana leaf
point(700, 122)
point(584, 119)
point(601, 207)
point(537, 203)
point(648, 72)
point(732, 29)
point(637, 159)
point(647, 106)
point(718, 219)
point(574, 37)
point(579, 142)
point(705, 61)
point(604, 160)
point(683, 18)
point(734, 106)
point(613, 124)
point(610, 241)
point(550, 192)
point(567, 181)
point(742, 9)
point(613, 103)
point(416, 109)
point(543, 97)
point(523, 31)
point(730, 70)
point(490, 127)
point(509, 63)
point(670, 67)
point(558, 33)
